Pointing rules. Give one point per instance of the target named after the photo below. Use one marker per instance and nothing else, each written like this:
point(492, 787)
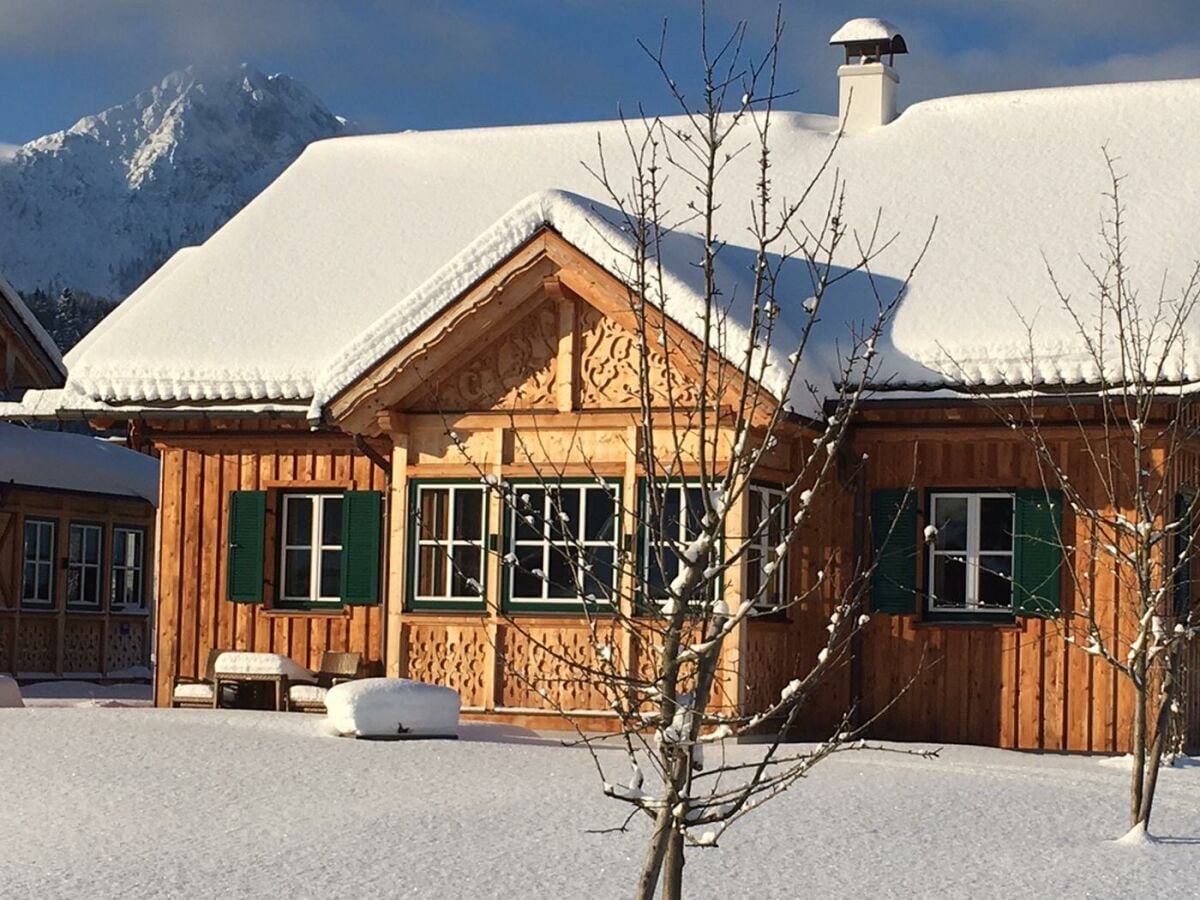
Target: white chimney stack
point(867, 84)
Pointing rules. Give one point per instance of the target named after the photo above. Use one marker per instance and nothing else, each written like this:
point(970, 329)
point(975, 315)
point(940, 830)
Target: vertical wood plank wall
point(199, 471)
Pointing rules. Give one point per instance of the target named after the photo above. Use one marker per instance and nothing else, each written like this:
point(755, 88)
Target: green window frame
point(310, 549)
point(448, 544)
point(766, 505)
point(39, 548)
point(538, 562)
point(85, 567)
point(127, 578)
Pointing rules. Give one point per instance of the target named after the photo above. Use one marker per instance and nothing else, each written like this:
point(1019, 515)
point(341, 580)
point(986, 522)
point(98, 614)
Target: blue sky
point(395, 64)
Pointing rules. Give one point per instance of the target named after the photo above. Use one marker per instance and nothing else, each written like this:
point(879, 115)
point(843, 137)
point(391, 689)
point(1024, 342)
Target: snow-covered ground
point(177, 803)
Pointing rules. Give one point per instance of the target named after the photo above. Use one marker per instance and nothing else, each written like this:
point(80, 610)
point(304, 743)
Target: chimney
point(867, 84)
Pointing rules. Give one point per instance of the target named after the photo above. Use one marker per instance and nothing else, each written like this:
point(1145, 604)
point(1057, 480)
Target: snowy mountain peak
point(98, 206)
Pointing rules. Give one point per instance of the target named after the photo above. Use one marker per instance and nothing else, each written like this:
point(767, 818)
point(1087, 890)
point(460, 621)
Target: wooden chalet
point(76, 532)
point(401, 316)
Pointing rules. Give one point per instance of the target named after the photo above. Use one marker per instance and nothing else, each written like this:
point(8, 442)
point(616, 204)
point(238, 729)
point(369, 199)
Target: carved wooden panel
point(127, 645)
point(81, 645)
point(517, 371)
point(539, 668)
point(608, 366)
point(36, 643)
point(451, 655)
point(8, 627)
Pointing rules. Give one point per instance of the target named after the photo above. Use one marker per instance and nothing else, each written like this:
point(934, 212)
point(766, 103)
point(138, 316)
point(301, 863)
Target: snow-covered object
point(384, 707)
point(865, 29)
point(361, 240)
point(10, 693)
point(193, 691)
point(99, 206)
point(75, 462)
point(242, 662)
point(307, 693)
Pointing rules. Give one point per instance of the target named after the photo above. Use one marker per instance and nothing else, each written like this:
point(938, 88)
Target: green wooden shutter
point(894, 583)
point(247, 546)
point(1037, 578)
point(361, 521)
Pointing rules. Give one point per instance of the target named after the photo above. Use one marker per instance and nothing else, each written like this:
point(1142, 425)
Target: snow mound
point(10, 693)
point(387, 707)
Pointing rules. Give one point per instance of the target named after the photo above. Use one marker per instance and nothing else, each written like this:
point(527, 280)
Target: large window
point(563, 546)
point(766, 571)
point(128, 550)
point(971, 553)
point(84, 549)
point(675, 520)
point(450, 525)
point(311, 552)
point(37, 578)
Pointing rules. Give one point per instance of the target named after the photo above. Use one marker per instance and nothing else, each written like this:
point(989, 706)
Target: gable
point(547, 330)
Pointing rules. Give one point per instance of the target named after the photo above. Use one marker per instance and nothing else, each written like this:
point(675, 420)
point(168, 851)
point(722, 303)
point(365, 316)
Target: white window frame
point(80, 602)
point(548, 545)
point(315, 547)
point(451, 543)
point(682, 538)
point(972, 553)
point(32, 601)
point(773, 500)
point(138, 570)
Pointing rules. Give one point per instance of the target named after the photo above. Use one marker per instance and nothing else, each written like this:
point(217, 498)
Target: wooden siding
point(199, 471)
point(58, 642)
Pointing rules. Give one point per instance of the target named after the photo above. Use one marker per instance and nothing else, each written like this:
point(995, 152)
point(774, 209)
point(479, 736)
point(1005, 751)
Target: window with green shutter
point(1037, 582)
point(894, 538)
point(362, 523)
point(247, 546)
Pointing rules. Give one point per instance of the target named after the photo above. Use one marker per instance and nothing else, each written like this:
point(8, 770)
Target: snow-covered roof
point(865, 29)
point(363, 238)
point(34, 335)
point(74, 462)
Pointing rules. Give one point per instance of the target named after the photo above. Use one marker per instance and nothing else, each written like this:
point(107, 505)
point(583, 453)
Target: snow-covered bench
point(393, 708)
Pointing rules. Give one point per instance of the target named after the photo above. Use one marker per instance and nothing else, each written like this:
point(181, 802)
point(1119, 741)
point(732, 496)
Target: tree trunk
point(652, 866)
point(1138, 774)
point(673, 867)
point(1160, 744)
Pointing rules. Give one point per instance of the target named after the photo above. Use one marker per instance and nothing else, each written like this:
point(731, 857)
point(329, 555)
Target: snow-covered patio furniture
point(335, 669)
point(393, 708)
point(10, 693)
point(198, 693)
point(242, 667)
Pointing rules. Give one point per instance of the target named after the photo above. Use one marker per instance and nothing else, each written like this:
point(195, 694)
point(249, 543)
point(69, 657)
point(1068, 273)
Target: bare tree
point(718, 402)
point(1131, 488)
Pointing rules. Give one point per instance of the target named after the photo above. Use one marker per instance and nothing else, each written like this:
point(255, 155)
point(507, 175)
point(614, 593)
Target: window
point(563, 546)
point(127, 593)
point(680, 512)
point(37, 580)
point(765, 571)
point(971, 553)
point(311, 554)
point(83, 565)
point(451, 523)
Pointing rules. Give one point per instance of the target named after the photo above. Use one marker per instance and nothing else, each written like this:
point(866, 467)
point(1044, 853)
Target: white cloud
point(8, 151)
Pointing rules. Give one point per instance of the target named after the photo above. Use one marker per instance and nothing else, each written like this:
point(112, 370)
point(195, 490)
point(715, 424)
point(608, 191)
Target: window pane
point(995, 523)
point(331, 521)
point(754, 579)
point(133, 596)
point(431, 572)
point(434, 521)
point(564, 514)
point(29, 583)
point(31, 540)
point(75, 540)
point(529, 506)
point(950, 517)
point(695, 510)
point(598, 581)
point(117, 587)
point(331, 573)
point(601, 516)
point(525, 583)
point(119, 547)
point(44, 579)
point(91, 586)
point(995, 581)
point(299, 521)
point(656, 577)
point(949, 581)
point(776, 529)
point(757, 511)
point(91, 545)
point(562, 575)
point(468, 514)
point(297, 573)
point(74, 581)
point(468, 563)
